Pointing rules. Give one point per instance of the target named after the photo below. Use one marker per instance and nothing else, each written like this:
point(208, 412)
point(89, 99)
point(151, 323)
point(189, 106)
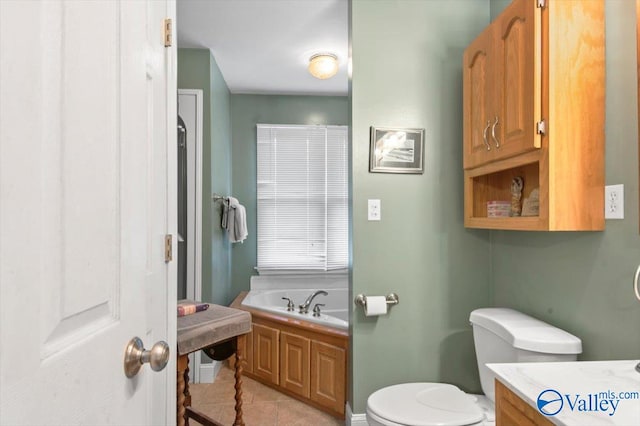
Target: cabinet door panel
point(328, 375)
point(246, 346)
point(512, 410)
point(477, 99)
point(518, 74)
point(265, 352)
point(294, 363)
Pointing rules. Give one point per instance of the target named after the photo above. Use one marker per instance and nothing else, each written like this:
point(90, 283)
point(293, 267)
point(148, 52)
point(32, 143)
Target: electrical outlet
point(614, 202)
point(374, 212)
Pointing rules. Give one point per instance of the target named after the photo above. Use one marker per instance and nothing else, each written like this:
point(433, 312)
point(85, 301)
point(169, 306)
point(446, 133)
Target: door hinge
point(168, 32)
point(541, 127)
point(541, 3)
point(168, 248)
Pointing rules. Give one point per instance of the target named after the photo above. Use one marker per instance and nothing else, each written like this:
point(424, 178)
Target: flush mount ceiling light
point(323, 65)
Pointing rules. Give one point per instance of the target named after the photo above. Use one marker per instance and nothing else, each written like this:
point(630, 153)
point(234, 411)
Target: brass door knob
point(135, 355)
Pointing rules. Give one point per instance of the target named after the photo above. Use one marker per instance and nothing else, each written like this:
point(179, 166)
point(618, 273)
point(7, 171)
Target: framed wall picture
point(396, 150)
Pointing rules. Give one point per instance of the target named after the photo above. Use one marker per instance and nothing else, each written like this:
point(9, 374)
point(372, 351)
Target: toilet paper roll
point(376, 305)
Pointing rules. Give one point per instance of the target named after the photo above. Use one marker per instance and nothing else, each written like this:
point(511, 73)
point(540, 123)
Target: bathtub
point(334, 314)
point(290, 351)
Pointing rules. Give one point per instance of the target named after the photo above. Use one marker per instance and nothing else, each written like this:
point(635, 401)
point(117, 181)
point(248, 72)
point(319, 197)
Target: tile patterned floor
point(261, 405)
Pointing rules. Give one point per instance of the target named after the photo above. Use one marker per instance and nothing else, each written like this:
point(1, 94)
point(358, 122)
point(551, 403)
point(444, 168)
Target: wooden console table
point(219, 332)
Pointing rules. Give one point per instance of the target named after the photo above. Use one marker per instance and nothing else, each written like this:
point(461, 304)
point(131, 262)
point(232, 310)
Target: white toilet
point(500, 335)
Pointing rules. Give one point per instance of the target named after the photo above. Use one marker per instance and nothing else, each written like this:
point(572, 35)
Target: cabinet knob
point(493, 133)
point(484, 135)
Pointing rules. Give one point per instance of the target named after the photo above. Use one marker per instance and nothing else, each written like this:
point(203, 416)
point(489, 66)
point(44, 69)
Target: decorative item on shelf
point(498, 208)
point(531, 204)
point(516, 194)
point(396, 150)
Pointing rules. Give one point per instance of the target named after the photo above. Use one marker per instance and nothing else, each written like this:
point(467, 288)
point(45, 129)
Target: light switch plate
point(373, 211)
point(614, 202)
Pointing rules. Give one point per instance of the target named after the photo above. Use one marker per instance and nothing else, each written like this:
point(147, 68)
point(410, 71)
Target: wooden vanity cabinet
point(328, 372)
point(511, 410)
point(301, 363)
point(313, 369)
point(302, 359)
point(534, 100)
point(247, 350)
point(266, 353)
point(294, 363)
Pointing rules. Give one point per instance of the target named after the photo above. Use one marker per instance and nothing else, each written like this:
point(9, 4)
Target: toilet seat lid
point(425, 404)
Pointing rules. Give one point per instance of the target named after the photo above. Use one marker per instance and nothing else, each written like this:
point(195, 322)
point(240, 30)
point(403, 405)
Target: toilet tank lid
point(524, 332)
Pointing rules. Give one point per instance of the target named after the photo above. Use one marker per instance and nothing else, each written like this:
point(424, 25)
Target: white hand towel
point(236, 221)
point(230, 216)
point(240, 223)
point(225, 214)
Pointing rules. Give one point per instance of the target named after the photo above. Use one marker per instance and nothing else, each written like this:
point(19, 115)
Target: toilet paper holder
point(392, 299)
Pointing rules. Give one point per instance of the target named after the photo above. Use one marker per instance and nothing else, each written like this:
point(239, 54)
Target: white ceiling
point(263, 46)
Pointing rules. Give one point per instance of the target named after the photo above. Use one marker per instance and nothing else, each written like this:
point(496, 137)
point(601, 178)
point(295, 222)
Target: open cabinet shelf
point(493, 183)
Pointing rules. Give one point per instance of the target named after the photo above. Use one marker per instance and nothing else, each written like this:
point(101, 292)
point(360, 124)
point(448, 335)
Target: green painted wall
point(220, 184)
point(582, 281)
point(497, 6)
point(407, 72)
point(197, 69)
point(246, 112)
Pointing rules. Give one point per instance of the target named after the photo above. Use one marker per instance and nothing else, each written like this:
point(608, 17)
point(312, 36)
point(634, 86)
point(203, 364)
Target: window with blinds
point(302, 197)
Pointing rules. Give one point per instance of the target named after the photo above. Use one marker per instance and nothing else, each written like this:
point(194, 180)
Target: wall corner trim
point(352, 419)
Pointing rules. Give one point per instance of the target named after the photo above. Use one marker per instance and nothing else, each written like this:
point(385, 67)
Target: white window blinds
point(302, 197)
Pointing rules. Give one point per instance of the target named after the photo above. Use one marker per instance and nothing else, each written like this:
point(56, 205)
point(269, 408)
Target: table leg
point(187, 394)
point(240, 345)
point(183, 371)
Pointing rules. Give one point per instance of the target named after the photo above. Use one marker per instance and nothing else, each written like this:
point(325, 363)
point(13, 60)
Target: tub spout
point(304, 308)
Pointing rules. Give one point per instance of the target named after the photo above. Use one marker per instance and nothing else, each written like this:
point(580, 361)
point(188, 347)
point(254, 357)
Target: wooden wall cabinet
point(534, 100)
point(478, 97)
point(502, 73)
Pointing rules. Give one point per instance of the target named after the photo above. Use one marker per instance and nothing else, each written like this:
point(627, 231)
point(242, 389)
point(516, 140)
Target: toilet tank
point(505, 335)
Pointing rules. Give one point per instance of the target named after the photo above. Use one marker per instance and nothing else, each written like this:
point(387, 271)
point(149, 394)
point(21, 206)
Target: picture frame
point(396, 150)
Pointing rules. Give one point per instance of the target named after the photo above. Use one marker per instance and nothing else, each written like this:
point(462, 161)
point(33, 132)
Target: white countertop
point(576, 390)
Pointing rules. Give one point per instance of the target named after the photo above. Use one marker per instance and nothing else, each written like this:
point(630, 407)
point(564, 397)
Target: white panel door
point(87, 159)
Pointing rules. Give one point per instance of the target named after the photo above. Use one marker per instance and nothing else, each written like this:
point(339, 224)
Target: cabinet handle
point(484, 135)
point(493, 133)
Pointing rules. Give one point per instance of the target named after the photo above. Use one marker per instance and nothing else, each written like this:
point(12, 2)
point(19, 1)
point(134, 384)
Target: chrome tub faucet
point(304, 308)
